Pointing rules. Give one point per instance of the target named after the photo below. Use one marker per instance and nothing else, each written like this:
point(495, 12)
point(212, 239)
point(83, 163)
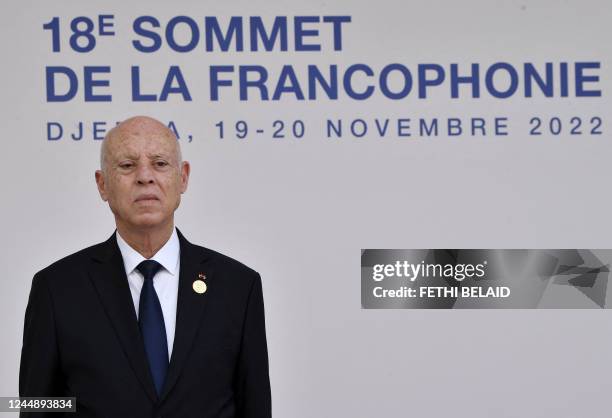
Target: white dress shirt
point(165, 282)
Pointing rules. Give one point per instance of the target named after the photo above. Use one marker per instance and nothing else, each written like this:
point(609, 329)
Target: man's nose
point(144, 174)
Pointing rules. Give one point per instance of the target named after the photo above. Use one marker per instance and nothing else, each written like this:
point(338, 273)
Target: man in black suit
point(147, 324)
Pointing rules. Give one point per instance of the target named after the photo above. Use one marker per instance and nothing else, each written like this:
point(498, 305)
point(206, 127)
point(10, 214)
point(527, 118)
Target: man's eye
point(126, 165)
point(161, 163)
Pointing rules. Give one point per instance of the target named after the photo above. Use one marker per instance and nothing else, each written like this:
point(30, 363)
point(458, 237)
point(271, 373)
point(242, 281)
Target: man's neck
point(146, 242)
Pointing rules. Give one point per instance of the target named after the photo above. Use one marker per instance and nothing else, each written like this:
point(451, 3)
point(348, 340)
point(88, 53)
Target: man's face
point(143, 179)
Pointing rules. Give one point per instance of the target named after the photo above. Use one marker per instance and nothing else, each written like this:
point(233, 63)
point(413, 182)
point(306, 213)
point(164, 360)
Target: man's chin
point(149, 222)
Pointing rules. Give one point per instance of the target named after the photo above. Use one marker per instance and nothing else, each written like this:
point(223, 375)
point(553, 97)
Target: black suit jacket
point(81, 338)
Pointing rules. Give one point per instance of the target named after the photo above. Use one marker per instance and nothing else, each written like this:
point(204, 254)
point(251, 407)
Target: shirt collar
point(167, 256)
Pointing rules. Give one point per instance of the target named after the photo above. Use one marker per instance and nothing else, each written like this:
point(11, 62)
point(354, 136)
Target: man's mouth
point(146, 197)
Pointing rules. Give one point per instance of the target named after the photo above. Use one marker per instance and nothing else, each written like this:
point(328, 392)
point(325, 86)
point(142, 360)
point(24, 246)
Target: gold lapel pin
point(199, 286)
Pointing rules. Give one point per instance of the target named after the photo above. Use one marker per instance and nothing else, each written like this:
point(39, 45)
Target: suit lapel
point(108, 276)
point(190, 307)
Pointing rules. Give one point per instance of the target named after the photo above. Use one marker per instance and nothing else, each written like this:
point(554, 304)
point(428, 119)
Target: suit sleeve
point(253, 381)
point(39, 371)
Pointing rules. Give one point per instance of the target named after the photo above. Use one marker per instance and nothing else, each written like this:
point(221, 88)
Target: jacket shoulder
point(227, 264)
point(74, 261)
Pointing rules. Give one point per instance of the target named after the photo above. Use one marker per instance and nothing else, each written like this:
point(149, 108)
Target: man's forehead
point(137, 143)
point(139, 135)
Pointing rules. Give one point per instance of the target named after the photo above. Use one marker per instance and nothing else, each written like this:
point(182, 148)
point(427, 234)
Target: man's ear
point(185, 170)
point(101, 185)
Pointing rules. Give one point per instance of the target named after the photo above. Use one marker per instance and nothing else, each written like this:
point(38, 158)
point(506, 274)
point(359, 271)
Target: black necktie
point(152, 327)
